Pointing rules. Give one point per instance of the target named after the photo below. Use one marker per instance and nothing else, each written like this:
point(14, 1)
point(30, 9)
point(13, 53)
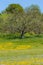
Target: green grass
point(21, 55)
point(35, 42)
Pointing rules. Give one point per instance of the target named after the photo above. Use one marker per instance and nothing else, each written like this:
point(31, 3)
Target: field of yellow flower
point(19, 63)
point(10, 46)
point(21, 57)
point(32, 61)
point(21, 52)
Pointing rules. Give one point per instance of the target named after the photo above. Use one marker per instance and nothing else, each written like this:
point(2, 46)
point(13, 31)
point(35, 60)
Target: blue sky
point(24, 3)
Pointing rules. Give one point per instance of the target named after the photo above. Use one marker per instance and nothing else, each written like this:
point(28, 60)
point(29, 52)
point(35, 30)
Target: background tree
point(34, 16)
point(17, 20)
point(12, 8)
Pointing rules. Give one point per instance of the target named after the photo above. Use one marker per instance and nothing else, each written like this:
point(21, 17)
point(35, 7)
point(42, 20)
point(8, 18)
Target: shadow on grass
point(12, 36)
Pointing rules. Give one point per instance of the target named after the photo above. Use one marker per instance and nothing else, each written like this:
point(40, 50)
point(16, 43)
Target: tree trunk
point(22, 35)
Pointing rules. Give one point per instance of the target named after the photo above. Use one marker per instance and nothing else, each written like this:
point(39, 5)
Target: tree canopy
point(15, 19)
point(12, 8)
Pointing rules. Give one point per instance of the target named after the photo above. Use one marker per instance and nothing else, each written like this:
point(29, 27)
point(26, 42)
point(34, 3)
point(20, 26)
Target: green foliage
point(15, 20)
point(12, 8)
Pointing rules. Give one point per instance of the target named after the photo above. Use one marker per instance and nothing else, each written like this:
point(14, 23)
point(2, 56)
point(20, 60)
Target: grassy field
point(27, 51)
point(33, 42)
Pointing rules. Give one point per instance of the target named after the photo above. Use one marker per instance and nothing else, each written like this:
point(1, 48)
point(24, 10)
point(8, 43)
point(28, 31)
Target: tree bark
point(22, 34)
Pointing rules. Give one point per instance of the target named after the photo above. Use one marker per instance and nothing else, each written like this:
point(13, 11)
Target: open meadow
point(27, 51)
